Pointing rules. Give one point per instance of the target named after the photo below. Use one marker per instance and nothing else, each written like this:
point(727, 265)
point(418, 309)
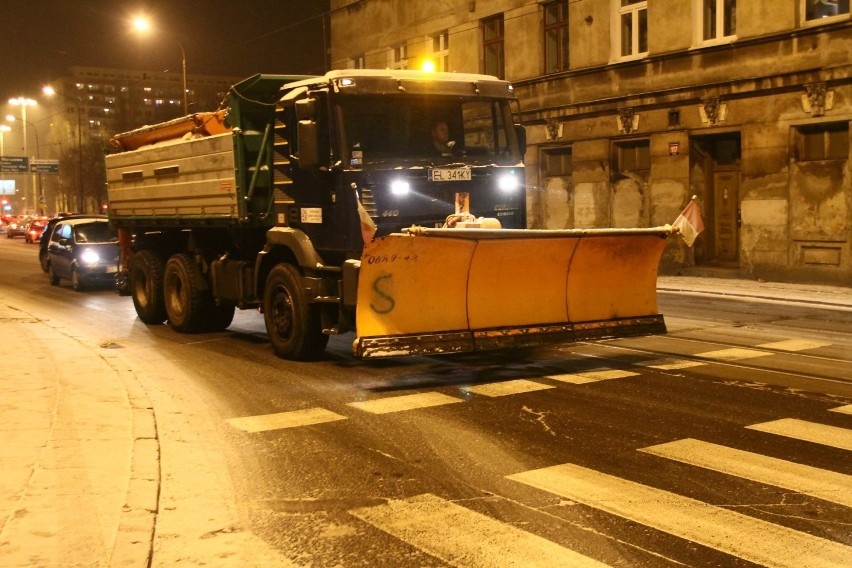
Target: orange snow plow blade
point(458, 290)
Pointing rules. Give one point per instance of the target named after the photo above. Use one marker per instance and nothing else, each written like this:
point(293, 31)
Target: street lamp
point(4, 128)
point(24, 103)
point(143, 25)
point(50, 92)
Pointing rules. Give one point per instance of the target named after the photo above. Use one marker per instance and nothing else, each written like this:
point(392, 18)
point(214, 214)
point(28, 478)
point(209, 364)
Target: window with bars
point(717, 19)
point(399, 57)
point(632, 28)
point(633, 155)
point(556, 36)
point(441, 50)
point(819, 11)
point(493, 43)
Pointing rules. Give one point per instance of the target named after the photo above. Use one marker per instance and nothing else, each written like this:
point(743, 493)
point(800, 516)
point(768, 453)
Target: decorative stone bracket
point(817, 99)
point(553, 130)
point(628, 120)
point(712, 111)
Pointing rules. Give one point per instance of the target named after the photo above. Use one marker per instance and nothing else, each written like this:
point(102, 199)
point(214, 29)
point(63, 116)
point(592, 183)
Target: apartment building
point(634, 106)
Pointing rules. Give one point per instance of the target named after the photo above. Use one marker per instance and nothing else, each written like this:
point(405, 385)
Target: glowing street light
point(143, 26)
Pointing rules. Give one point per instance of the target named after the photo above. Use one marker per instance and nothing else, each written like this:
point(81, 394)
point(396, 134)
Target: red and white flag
point(368, 226)
point(689, 223)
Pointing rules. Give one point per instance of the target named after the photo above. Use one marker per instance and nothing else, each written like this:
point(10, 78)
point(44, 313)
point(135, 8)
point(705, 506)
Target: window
point(558, 162)
point(631, 28)
point(356, 62)
point(556, 36)
point(441, 51)
point(634, 155)
point(399, 57)
point(492, 46)
point(818, 142)
point(717, 20)
point(819, 11)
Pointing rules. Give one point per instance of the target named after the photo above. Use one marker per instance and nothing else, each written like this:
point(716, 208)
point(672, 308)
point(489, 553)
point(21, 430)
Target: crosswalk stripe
point(733, 354)
point(462, 537)
point(733, 533)
point(843, 409)
point(592, 376)
point(794, 345)
point(824, 434)
point(404, 402)
point(518, 386)
point(826, 485)
point(672, 364)
point(292, 419)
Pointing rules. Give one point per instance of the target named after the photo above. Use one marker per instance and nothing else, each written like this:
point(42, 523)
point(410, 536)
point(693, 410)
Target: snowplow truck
point(324, 203)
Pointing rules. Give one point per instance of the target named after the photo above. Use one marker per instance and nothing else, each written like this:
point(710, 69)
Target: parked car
point(16, 227)
point(34, 228)
point(84, 251)
point(48, 231)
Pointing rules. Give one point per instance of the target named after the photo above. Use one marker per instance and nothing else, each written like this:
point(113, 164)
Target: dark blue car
point(84, 251)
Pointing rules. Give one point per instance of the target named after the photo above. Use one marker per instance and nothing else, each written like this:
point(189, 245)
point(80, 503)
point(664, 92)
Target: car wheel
point(146, 287)
point(54, 279)
point(292, 324)
point(188, 301)
point(76, 281)
point(42, 259)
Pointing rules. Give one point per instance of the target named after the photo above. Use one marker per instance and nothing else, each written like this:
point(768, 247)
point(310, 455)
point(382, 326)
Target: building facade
point(634, 106)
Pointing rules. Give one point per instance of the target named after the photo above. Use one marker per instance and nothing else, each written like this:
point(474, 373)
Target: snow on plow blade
point(458, 290)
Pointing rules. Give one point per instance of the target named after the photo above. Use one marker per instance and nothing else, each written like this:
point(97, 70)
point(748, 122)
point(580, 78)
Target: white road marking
point(592, 376)
point(733, 354)
point(462, 537)
point(821, 483)
point(519, 386)
point(808, 431)
point(794, 345)
point(404, 402)
point(292, 419)
point(843, 409)
point(672, 364)
point(733, 533)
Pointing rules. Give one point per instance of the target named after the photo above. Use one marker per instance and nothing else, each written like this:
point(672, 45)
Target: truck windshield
point(412, 131)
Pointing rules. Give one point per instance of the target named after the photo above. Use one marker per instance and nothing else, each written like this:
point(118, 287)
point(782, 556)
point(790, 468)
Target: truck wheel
point(220, 316)
point(187, 299)
point(146, 287)
point(293, 325)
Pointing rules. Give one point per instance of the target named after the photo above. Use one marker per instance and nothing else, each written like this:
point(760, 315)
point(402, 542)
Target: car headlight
point(400, 187)
point(508, 182)
point(89, 256)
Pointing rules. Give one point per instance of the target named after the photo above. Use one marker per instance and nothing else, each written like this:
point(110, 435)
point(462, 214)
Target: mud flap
point(456, 290)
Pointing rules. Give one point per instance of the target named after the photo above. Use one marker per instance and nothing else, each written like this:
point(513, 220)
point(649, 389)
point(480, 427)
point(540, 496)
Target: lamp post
point(143, 25)
point(4, 128)
point(24, 103)
point(50, 92)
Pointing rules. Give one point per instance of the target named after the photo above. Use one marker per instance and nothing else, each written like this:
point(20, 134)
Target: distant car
point(34, 228)
point(48, 231)
point(16, 227)
point(84, 251)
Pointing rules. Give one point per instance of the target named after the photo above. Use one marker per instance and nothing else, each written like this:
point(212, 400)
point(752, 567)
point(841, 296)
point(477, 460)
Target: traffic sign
point(14, 164)
point(44, 166)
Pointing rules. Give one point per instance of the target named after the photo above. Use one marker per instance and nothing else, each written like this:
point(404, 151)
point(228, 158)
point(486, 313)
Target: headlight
point(508, 182)
point(89, 257)
point(400, 187)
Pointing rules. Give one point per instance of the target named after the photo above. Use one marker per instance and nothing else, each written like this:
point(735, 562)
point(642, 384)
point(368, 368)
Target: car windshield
point(379, 130)
point(95, 233)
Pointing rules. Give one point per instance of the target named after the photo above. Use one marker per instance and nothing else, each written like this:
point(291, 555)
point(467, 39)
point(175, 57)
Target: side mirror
point(521, 134)
point(308, 144)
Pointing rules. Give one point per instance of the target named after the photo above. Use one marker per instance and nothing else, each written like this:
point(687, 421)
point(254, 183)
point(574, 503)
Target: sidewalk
point(80, 474)
point(79, 484)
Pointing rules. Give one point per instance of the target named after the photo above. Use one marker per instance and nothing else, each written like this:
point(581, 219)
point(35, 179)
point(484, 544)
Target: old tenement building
point(633, 106)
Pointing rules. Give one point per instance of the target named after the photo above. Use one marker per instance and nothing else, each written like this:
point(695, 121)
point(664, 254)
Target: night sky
point(39, 39)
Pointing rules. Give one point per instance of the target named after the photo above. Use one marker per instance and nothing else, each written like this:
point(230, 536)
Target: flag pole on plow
point(689, 223)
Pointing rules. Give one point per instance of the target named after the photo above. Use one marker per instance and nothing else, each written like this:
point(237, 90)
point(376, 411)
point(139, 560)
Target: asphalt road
point(724, 443)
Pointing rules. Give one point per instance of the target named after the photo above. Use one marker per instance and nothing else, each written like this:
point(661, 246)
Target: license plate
point(449, 174)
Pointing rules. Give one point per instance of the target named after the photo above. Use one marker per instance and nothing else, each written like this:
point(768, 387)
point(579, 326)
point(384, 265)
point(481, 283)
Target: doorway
point(715, 176)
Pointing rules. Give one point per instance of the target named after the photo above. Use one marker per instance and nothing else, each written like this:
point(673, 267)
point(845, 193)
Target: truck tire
point(188, 303)
point(293, 325)
point(146, 287)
